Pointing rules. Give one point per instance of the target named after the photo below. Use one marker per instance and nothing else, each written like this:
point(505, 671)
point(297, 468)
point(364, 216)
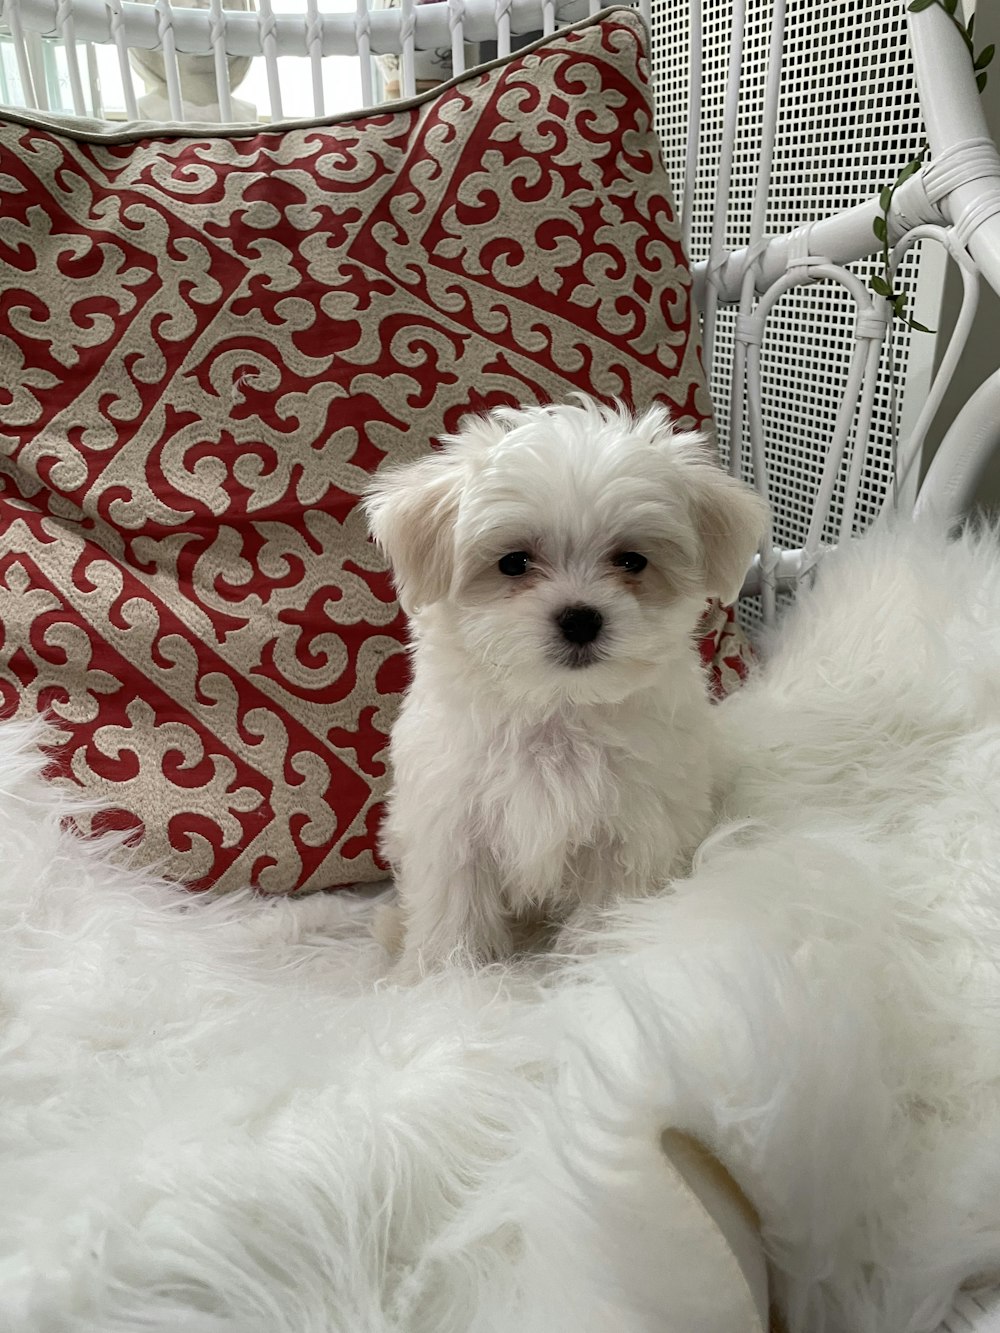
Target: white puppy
point(555, 747)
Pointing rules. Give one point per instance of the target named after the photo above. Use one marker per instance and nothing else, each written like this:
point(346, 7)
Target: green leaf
point(984, 57)
point(879, 284)
point(969, 26)
point(920, 328)
point(950, 6)
point(917, 6)
point(899, 304)
point(879, 228)
point(885, 199)
point(909, 170)
point(981, 80)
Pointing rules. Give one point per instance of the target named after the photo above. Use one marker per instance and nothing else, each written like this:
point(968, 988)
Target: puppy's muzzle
point(580, 625)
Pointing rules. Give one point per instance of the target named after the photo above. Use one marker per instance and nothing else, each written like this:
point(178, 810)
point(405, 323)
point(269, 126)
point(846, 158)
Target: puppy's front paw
point(388, 928)
point(407, 970)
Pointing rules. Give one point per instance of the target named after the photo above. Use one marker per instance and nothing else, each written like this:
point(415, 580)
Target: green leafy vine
point(881, 283)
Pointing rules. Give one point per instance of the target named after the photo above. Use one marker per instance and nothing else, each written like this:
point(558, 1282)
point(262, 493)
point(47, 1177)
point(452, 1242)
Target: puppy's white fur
point(532, 775)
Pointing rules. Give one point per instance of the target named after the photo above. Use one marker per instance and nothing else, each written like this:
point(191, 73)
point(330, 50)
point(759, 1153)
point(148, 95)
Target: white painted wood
point(168, 45)
point(746, 353)
point(314, 47)
point(66, 27)
point(269, 48)
point(717, 252)
point(93, 81)
point(12, 18)
point(693, 122)
point(217, 37)
point(953, 115)
point(872, 352)
point(503, 8)
point(456, 22)
point(407, 32)
point(120, 39)
point(36, 62)
point(363, 49)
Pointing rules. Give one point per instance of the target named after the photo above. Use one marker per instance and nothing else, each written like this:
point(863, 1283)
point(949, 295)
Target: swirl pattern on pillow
point(208, 342)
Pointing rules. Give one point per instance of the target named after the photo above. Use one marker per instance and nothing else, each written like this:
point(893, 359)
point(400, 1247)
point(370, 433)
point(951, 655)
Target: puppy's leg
point(388, 927)
point(452, 905)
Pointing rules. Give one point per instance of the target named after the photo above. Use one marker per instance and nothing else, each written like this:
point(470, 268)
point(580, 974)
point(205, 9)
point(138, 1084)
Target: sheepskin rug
point(217, 1116)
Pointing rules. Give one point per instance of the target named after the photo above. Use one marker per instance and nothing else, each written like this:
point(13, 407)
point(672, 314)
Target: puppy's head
point(569, 549)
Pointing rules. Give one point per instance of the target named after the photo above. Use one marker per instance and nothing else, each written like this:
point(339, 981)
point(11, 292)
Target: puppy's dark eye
point(515, 564)
point(631, 561)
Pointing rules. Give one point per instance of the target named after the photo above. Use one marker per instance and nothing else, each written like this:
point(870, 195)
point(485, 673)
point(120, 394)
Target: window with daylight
point(103, 93)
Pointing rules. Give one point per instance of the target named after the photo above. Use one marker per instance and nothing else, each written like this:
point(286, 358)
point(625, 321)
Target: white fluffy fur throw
point(213, 1119)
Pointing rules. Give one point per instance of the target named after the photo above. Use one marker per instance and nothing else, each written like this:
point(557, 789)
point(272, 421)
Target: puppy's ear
point(478, 432)
point(411, 515)
point(731, 520)
point(729, 517)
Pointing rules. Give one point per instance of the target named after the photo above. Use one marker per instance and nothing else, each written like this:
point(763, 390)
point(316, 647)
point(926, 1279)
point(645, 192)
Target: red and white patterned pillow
point(210, 340)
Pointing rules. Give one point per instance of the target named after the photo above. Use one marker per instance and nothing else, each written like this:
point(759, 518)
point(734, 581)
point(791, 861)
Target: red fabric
point(726, 652)
point(207, 345)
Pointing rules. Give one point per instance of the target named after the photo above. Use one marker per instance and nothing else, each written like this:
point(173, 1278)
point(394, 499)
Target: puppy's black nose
point(580, 624)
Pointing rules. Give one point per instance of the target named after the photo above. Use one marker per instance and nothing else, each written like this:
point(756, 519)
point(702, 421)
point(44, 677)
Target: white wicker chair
point(836, 468)
point(720, 134)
